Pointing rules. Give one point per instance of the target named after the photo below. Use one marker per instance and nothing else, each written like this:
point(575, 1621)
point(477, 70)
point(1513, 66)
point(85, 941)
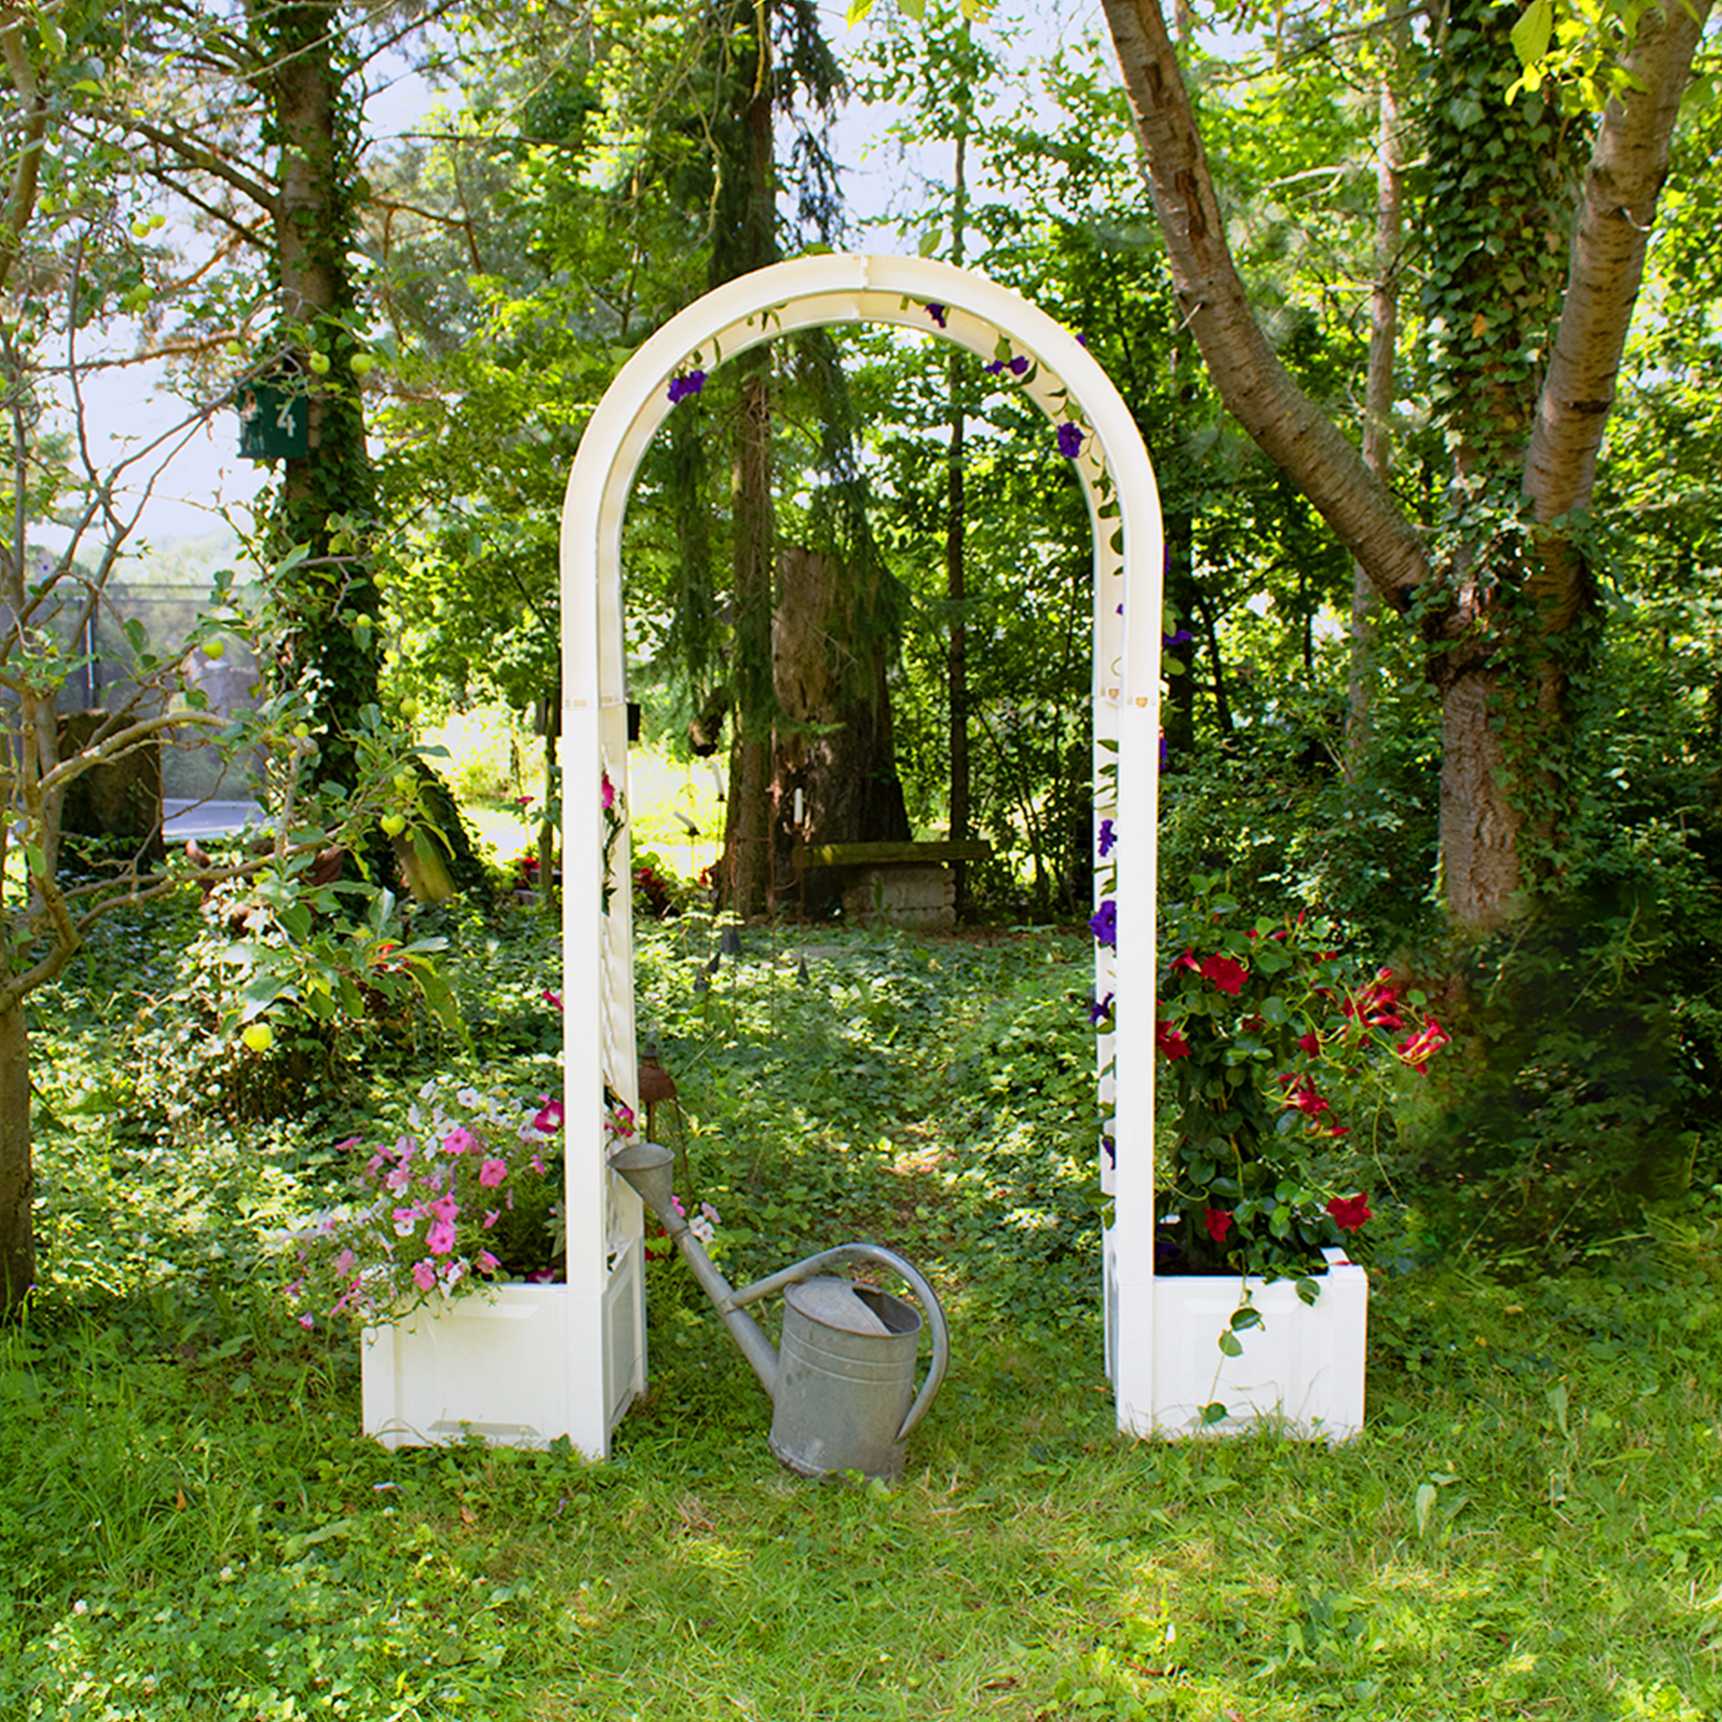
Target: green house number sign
point(273, 423)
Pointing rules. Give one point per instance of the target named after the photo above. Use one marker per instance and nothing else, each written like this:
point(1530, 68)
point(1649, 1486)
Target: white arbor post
point(604, 1335)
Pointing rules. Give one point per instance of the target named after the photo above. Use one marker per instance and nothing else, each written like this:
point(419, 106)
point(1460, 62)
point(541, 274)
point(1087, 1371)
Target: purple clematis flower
point(1182, 638)
point(937, 313)
point(996, 368)
point(689, 383)
point(1162, 753)
point(1108, 837)
point(1100, 1009)
point(1103, 923)
point(1070, 440)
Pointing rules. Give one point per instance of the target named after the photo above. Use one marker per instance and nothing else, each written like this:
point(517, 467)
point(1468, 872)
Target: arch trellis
point(603, 1333)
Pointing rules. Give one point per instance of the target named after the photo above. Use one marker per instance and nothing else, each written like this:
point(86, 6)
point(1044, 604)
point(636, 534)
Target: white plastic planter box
point(1301, 1370)
point(498, 1363)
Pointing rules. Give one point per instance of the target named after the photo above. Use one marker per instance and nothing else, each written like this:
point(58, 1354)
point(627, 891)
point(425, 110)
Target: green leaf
point(1245, 1317)
point(1230, 1344)
point(916, 9)
point(929, 240)
point(1423, 1504)
point(1532, 32)
point(1213, 1412)
point(1557, 1397)
point(858, 9)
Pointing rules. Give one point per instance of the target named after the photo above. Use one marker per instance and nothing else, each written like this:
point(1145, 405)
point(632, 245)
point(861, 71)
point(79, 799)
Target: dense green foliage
point(1528, 1522)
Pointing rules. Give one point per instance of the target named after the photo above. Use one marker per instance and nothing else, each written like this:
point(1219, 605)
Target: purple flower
point(1182, 638)
point(1103, 923)
point(996, 368)
point(1019, 366)
point(937, 313)
point(1162, 753)
point(1069, 440)
point(1108, 838)
point(1100, 1009)
point(689, 383)
point(1082, 340)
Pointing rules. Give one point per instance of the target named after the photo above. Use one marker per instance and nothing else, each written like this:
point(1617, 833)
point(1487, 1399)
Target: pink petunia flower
point(549, 1118)
point(486, 1262)
point(491, 1218)
point(459, 1140)
point(424, 1275)
point(446, 1208)
point(439, 1240)
point(492, 1172)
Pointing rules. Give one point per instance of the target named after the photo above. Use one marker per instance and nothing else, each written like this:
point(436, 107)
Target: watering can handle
point(888, 1258)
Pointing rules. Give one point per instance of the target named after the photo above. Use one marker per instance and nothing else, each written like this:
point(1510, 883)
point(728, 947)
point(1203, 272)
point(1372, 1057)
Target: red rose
point(1350, 1212)
point(1227, 973)
point(1218, 1222)
point(1170, 1041)
point(1310, 1043)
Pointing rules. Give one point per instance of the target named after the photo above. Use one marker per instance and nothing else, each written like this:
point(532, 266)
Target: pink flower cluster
point(432, 1197)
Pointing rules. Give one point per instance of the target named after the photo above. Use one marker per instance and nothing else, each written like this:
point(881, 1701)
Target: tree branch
point(194, 154)
point(1628, 163)
point(1284, 422)
point(21, 202)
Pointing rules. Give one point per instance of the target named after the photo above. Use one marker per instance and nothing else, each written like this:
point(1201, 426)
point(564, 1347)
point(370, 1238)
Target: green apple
point(259, 1037)
point(319, 363)
point(405, 782)
point(393, 824)
point(214, 648)
point(409, 708)
point(363, 364)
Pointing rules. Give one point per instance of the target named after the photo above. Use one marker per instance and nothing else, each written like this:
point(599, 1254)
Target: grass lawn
point(1531, 1526)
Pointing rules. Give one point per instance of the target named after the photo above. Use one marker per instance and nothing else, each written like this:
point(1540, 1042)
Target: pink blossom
point(538, 1165)
point(486, 1262)
point(445, 1208)
point(492, 1172)
point(307, 1321)
point(405, 1220)
point(439, 1240)
point(374, 1165)
point(398, 1179)
point(549, 1119)
point(344, 1262)
point(351, 1143)
point(424, 1275)
point(551, 998)
point(606, 792)
point(459, 1140)
point(491, 1218)
point(295, 1289)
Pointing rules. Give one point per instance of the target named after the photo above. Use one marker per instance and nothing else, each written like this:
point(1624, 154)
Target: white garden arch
point(602, 1330)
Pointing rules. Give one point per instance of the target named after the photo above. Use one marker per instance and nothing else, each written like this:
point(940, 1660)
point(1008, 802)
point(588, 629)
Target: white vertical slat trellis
point(605, 1330)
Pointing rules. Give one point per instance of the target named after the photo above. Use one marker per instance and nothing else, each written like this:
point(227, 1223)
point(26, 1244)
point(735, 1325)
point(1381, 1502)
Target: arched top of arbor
point(1061, 376)
point(1026, 351)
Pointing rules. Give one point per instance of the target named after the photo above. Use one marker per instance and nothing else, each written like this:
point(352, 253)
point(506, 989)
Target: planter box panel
point(494, 1365)
point(1302, 1369)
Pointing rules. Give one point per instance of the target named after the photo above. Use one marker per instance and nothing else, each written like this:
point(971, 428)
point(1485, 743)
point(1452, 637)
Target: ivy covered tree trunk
point(834, 741)
point(327, 499)
point(1503, 599)
point(956, 518)
point(17, 1170)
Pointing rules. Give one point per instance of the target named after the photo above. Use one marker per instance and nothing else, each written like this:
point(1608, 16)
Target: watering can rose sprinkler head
point(842, 1386)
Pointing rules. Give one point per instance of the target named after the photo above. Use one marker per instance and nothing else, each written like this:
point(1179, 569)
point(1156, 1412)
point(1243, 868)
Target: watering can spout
point(650, 1172)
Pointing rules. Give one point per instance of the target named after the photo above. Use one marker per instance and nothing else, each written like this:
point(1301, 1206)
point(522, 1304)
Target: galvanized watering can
point(842, 1381)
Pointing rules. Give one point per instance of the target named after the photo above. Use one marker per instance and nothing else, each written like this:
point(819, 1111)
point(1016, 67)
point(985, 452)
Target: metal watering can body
point(842, 1384)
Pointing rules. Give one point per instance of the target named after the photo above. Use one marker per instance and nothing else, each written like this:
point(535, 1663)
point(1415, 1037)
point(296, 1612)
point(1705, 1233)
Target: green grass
point(1531, 1524)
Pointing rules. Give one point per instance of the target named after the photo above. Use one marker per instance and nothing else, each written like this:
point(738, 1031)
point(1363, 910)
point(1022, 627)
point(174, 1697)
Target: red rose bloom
point(1218, 1222)
point(1350, 1212)
point(1227, 973)
point(1310, 1043)
point(1170, 1041)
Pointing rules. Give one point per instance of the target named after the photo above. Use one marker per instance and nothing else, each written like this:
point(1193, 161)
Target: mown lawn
point(192, 1527)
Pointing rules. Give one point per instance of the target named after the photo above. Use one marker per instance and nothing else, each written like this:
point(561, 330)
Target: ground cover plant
point(1530, 1525)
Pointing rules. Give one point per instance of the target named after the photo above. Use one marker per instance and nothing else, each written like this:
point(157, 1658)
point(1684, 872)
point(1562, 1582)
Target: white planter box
point(1301, 1370)
point(501, 1364)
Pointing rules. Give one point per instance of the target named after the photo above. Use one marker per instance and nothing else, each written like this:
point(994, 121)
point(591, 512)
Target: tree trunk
point(1179, 712)
point(833, 741)
point(17, 1173)
point(956, 531)
point(747, 838)
point(1377, 395)
point(748, 213)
